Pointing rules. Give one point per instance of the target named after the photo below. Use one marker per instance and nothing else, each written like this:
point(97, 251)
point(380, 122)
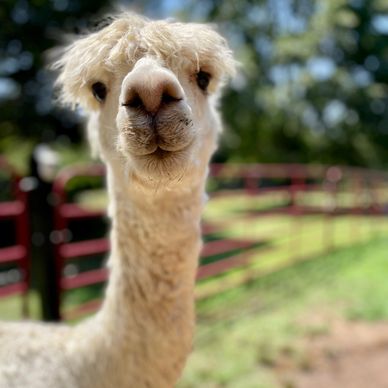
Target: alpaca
point(150, 90)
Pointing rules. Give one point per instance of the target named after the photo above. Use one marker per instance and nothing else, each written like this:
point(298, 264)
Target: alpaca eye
point(99, 91)
point(203, 80)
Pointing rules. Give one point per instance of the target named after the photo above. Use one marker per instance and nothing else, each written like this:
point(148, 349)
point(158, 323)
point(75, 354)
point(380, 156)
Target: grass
point(11, 307)
point(242, 332)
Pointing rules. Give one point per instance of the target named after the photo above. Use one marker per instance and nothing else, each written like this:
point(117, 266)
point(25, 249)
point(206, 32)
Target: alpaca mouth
point(162, 163)
point(168, 133)
point(160, 153)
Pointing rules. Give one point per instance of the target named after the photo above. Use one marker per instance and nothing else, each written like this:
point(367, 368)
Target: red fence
point(297, 178)
point(65, 250)
point(16, 256)
point(296, 181)
point(252, 181)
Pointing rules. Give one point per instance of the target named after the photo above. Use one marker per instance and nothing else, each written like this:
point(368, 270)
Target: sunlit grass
point(242, 332)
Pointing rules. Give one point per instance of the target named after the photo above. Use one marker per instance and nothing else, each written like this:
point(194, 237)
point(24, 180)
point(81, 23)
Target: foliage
point(28, 30)
point(312, 86)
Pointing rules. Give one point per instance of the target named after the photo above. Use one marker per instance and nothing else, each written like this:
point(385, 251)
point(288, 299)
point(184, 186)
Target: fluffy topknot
point(128, 37)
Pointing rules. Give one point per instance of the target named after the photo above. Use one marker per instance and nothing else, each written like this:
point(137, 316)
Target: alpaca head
point(150, 90)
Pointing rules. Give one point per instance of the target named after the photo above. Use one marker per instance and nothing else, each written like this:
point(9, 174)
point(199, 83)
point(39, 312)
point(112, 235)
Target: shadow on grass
point(234, 252)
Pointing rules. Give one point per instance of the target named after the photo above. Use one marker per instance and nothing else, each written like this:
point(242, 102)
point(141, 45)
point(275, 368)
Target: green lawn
point(241, 332)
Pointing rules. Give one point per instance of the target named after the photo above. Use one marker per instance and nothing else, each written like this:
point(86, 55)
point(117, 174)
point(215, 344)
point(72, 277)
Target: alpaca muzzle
point(154, 114)
point(150, 87)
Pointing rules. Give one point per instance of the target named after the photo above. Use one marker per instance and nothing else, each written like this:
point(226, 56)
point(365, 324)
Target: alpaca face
point(155, 124)
point(150, 88)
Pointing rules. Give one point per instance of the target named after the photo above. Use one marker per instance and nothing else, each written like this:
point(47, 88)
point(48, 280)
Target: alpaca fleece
point(157, 153)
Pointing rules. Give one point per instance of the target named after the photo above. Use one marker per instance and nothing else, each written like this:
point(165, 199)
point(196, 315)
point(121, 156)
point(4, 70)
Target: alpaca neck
point(149, 303)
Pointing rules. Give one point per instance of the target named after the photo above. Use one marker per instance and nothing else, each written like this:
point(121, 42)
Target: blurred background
point(293, 273)
point(312, 86)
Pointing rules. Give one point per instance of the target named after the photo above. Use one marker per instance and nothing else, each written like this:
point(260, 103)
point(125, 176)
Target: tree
point(312, 86)
point(314, 80)
point(29, 28)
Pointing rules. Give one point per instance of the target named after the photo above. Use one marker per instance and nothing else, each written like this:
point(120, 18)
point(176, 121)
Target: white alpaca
point(150, 90)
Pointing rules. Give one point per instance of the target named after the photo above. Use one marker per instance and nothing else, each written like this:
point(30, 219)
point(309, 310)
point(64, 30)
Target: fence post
point(42, 167)
point(332, 178)
point(23, 239)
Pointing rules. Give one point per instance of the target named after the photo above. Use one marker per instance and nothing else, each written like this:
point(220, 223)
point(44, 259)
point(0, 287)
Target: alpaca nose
point(150, 86)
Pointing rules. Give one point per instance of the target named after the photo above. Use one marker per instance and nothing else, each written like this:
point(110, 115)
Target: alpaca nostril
point(134, 102)
point(151, 88)
point(168, 98)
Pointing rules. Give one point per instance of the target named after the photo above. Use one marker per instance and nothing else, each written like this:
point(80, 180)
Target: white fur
point(142, 335)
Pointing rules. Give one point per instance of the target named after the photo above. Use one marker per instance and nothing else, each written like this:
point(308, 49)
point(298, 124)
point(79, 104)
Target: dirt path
point(350, 355)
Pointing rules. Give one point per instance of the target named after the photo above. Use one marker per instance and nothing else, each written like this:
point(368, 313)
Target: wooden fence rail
point(15, 256)
point(345, 190)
